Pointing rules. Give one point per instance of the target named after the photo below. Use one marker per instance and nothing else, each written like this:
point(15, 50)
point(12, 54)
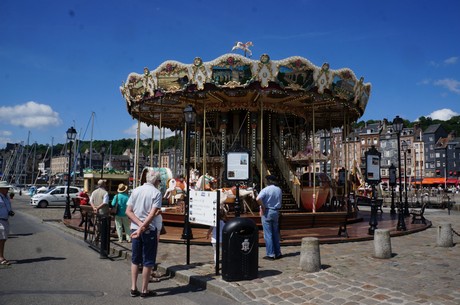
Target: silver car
point(54, 197)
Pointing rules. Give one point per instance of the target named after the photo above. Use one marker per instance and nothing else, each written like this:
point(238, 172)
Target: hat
point(271, 178)
point(122, 188)
point(4, 185)
point(101, 182)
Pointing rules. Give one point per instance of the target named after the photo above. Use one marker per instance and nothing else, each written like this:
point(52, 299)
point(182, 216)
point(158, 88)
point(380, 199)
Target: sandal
point(154, 279)
point(134, 293)
point(147, 294)
point(5, 262)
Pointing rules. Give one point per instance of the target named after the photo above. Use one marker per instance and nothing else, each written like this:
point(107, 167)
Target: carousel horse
point(175, 190)
point(208, 183)
point(244, 47)
point(247, 198)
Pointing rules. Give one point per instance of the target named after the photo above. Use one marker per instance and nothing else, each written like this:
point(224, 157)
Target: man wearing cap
point(100, 199)
point(5, 212)
point(269, 200)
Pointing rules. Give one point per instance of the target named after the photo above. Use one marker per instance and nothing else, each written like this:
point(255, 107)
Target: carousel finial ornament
point(244, 47)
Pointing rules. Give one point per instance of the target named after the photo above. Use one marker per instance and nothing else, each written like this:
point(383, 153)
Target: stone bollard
point(445, 238)
point(310, 260)
point(382, 243)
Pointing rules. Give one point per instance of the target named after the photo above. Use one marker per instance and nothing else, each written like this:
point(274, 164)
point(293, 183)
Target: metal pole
point(406, 204)
point(67, 214)
point(401, 223)
point(187, 232)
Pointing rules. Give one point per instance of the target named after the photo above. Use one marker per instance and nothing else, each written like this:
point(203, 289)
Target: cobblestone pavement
point(419, 271)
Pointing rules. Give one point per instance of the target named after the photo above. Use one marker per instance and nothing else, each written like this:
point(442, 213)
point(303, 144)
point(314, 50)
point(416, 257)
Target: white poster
point(237, 166)
point(203, 207)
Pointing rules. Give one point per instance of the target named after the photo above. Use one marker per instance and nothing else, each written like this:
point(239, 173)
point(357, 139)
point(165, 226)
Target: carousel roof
point(292, 86)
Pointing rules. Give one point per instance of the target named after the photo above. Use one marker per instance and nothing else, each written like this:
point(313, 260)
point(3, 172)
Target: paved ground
point(419, 272)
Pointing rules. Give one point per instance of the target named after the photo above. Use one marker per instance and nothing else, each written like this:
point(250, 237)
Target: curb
point(180, 273)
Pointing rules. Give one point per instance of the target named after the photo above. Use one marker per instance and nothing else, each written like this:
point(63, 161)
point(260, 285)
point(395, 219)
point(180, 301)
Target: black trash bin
point(240, 250)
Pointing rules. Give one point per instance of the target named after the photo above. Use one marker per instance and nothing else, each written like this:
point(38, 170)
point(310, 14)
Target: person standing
point(212, 232)
point(122, 222)
point(269, 200)
point(5, 212)
point(143, 206)
point(99, 199)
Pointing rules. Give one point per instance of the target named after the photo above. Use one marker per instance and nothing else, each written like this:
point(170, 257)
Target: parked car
point(54, 197)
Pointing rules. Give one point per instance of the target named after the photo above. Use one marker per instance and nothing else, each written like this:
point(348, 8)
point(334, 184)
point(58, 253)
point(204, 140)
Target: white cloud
point(5, 137)
point(451, 60)
point(450, 84)
point(442, 114)
point(30, 115)
point(146, 132)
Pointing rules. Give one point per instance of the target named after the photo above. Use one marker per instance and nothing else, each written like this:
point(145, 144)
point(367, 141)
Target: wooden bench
point(417, 214)
point(315, 220)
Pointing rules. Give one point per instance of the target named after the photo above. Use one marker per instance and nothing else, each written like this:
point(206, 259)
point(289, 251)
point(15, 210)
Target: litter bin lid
point(239, 224)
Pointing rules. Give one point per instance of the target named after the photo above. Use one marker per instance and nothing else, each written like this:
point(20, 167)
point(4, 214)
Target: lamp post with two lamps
point(373, 178)
point(189, 115)
point(406, 149)
point(392, 183)
point(398, 124)
point(71, 134)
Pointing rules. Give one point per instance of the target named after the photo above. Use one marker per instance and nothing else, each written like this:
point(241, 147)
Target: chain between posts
point(455, 232)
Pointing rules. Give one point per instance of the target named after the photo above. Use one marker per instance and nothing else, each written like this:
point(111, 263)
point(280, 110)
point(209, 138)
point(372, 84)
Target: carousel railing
point(286, 170)
point(263, 164)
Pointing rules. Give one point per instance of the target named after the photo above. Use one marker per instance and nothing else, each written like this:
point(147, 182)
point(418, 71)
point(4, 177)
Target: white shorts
point(4, 229)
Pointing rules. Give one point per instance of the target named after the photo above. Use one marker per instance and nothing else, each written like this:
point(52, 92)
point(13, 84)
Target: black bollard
point(401, 222)
point(105, 236)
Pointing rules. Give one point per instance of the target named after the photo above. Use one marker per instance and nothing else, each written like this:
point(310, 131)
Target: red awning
point(452, 181)
point(433, 180)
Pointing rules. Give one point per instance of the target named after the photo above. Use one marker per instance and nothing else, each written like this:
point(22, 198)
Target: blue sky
point(60, 61)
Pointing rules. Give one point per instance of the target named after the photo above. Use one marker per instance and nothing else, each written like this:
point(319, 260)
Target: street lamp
point(406, 149)
point(189, 116)
point(398, 124)
point(392, 183)
point(71, 134)
point(373, 178)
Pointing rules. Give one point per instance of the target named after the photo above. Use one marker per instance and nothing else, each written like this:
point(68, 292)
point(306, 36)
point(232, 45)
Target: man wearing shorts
point(5, 212)
point(142, 208)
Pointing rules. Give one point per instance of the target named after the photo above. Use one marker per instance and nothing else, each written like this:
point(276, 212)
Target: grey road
point(51, 267)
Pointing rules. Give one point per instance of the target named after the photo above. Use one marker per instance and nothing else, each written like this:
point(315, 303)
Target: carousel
point(270, 108)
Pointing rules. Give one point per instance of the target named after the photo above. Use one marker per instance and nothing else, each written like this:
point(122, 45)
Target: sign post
point(238, 171)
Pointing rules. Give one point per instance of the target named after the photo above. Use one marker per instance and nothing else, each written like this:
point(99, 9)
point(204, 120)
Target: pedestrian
point(158, 223)
point(269, 200)
point(99, 199)
point(122, 222)
point(143, 205)
point(83, 199)
point(212, 232)
point(6, 211)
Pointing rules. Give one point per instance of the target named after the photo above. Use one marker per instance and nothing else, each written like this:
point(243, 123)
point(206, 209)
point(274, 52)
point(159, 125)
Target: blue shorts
point(144, 249)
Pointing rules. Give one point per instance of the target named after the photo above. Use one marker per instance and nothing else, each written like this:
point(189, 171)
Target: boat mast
point(91, 141)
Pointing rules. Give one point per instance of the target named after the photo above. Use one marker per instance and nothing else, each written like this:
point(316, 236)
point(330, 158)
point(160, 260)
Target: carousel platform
point(357, 230)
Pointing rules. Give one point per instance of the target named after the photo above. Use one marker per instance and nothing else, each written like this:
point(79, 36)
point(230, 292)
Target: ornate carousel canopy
point(292, 86)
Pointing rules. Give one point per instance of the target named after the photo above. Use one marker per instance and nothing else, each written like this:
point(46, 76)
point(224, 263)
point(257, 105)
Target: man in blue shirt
point(269, 200)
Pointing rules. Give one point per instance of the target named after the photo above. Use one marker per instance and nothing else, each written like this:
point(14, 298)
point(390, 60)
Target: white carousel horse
point(207, 180)
point(247, 197)
point(175, 190)
point(244, 47)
